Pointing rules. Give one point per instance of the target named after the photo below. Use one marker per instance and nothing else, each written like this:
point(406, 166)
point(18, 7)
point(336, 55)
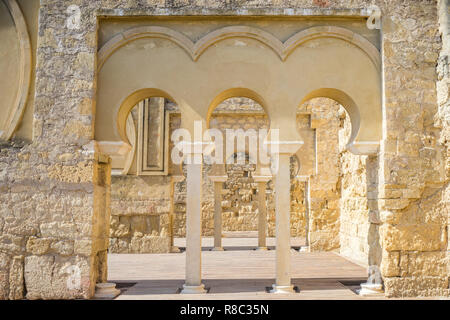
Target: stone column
point(175, 179)
point(262, 210)
point(282, 179)
point(218, 182)
point(193, 225)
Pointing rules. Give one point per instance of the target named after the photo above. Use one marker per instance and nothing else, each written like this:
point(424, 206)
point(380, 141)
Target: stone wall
point(54, 189)
point(140, 214)
point(358, 204)
point(324, 184)
point(443, 114)
point(412, 211)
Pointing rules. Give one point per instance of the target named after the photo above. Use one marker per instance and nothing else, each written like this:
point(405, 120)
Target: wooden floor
point(237, 273)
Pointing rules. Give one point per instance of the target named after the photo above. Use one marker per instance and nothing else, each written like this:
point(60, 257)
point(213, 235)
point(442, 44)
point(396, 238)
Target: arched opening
point(339, 186)
point(241, 120)
point(142, 186)
point(194, 93)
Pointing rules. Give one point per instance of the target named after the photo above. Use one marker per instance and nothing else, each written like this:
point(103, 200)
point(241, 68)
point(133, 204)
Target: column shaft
point(193, 229)
point(282, 209)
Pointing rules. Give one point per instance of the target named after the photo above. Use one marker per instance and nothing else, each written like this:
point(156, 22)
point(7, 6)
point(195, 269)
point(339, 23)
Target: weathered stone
point(38, 246)
point(411, 237)
point(48, 277)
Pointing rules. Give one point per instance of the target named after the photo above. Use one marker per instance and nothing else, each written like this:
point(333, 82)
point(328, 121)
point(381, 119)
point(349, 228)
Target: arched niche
point(16, 64)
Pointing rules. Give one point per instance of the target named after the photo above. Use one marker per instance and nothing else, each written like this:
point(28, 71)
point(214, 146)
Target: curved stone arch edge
point(283, 50)
point(124, 147)
point(195, 50)
point(24, 73)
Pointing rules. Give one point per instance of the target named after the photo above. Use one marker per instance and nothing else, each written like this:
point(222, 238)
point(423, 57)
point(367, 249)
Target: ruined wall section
point(358, 203)
point(51, 193)
point(140, 216)
point(443, 116)
point(325, 182)
point(414, 230)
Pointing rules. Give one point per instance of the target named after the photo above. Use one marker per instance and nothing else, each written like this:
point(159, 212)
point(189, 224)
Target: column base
point(261, 249)
point(174, 249)
point(193, 289)
point(282, 289)
point(371, 289)
point(217, 249)
point(106, 290)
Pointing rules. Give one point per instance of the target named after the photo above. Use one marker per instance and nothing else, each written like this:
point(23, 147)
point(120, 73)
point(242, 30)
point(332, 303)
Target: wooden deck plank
point(235, 274)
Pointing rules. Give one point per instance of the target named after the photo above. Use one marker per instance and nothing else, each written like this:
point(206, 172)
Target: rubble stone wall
point(412, 210)
point(358, 203)
point(324, 184)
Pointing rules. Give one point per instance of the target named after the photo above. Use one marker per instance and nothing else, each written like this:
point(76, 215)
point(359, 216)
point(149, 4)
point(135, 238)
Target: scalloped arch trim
point(282, 49)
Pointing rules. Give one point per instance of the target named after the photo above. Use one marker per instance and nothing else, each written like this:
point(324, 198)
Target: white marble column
point(218, 182)
point(282, 183)
point(262, 210)
point(282, 211)
point(193, 227)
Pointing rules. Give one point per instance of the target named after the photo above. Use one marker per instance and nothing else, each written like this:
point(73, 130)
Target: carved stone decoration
point(19, 90)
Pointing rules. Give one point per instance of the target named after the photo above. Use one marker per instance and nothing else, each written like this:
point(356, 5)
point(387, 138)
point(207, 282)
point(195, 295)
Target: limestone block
point(16, 285)
point(150, 244)
point(62, 247)
point(12, 243)
point(38, 246)
point(47, 277)
point(390, 264)
point(425, 264)
point(426, 237)
point(416, 286)
point(83, 247)
point(57, 229)
point(5, 261)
